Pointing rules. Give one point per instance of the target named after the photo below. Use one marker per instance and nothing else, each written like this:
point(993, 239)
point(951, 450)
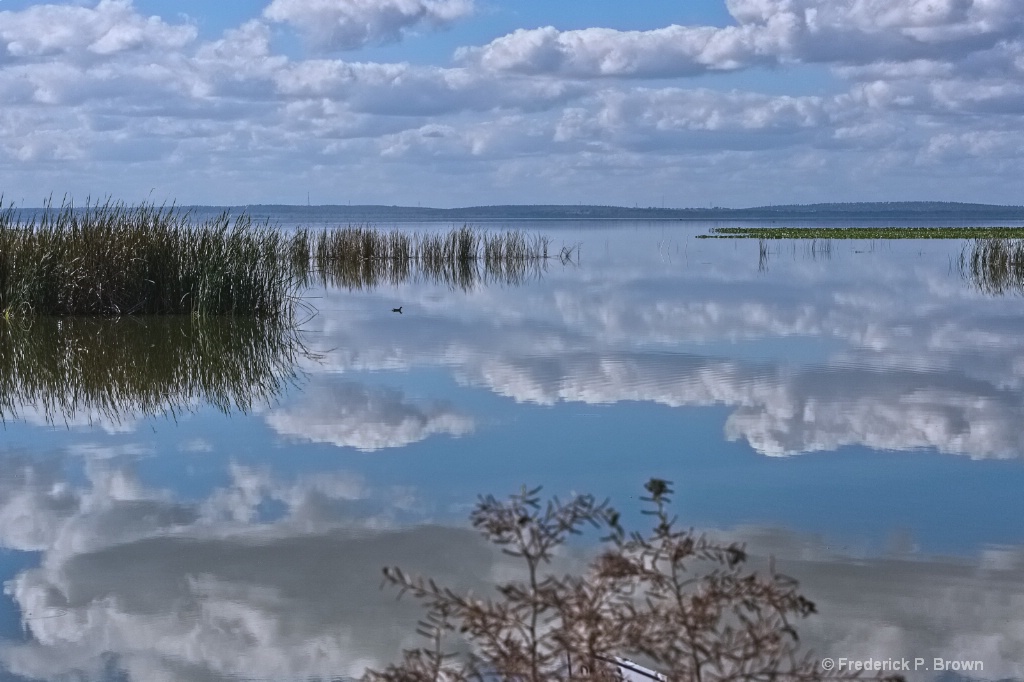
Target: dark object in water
point(397, 310)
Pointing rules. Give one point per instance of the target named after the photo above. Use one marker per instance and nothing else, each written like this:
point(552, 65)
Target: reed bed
point(116, 259)
point(80, 369)
point(365, 257)
point(994, 266)
point(113, 259)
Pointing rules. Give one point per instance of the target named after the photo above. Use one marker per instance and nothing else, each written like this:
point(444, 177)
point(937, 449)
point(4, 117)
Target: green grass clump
point(115, 259)
point(864, 233)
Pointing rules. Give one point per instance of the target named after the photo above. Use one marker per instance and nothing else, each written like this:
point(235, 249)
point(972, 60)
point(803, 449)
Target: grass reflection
point(78, 368)
point(994, 266)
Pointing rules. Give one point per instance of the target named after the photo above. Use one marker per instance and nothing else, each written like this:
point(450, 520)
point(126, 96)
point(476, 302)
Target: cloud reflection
point(204, 591)
point(877, 354)
point(368, 418)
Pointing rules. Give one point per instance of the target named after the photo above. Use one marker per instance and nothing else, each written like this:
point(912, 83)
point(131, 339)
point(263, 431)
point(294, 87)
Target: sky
point(471, 102)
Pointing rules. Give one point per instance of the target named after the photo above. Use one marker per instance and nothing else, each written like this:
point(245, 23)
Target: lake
point(186, 501)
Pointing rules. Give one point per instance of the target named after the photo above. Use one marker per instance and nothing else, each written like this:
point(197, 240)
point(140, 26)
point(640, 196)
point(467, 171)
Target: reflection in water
point(65, 368)
point(161, 588)
point(259, 558)
point(813, 249)
point(994, 266)
point(457, 274)
point(367, 418)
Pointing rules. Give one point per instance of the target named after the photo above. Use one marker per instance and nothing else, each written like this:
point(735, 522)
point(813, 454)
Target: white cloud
point(143, 103)
point(110, 28)
point(659, 120)
point(768, 32)
point(600, 52)
point(349, 24)
point(413, 91)
point(39, 414)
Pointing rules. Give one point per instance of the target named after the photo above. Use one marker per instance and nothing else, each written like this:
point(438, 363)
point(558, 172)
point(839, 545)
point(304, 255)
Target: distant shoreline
point(860, 211)
point(853, 211)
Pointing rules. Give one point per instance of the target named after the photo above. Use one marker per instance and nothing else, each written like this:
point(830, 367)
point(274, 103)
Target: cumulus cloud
point(412, 90)
point(657, 120)
point(103, 91)
point(110, 28)
point(595, 52)
point(768, 32)
point(348, 414)
point(349, 24)
point(34, 500)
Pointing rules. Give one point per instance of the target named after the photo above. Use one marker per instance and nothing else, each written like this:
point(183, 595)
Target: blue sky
point(466, 102)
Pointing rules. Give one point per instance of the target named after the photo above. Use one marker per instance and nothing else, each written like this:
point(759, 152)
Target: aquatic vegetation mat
point(864, 233)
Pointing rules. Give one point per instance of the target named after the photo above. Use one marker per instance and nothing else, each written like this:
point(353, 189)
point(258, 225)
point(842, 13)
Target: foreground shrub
point(682, 603)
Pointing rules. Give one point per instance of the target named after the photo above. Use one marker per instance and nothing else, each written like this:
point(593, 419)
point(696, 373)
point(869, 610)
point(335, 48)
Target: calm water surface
point(855, 411)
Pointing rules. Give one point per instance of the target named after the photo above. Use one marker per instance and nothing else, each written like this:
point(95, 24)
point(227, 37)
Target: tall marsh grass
point(114, 259)
point(364, 257)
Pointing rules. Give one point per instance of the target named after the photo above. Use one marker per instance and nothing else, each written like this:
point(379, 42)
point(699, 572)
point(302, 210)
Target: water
point(854, 412)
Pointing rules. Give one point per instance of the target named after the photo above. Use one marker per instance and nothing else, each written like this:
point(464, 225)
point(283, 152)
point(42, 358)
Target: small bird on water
point(397, 310)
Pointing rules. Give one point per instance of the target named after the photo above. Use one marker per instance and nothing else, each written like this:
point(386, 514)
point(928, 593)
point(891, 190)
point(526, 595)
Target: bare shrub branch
point(682, 603)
